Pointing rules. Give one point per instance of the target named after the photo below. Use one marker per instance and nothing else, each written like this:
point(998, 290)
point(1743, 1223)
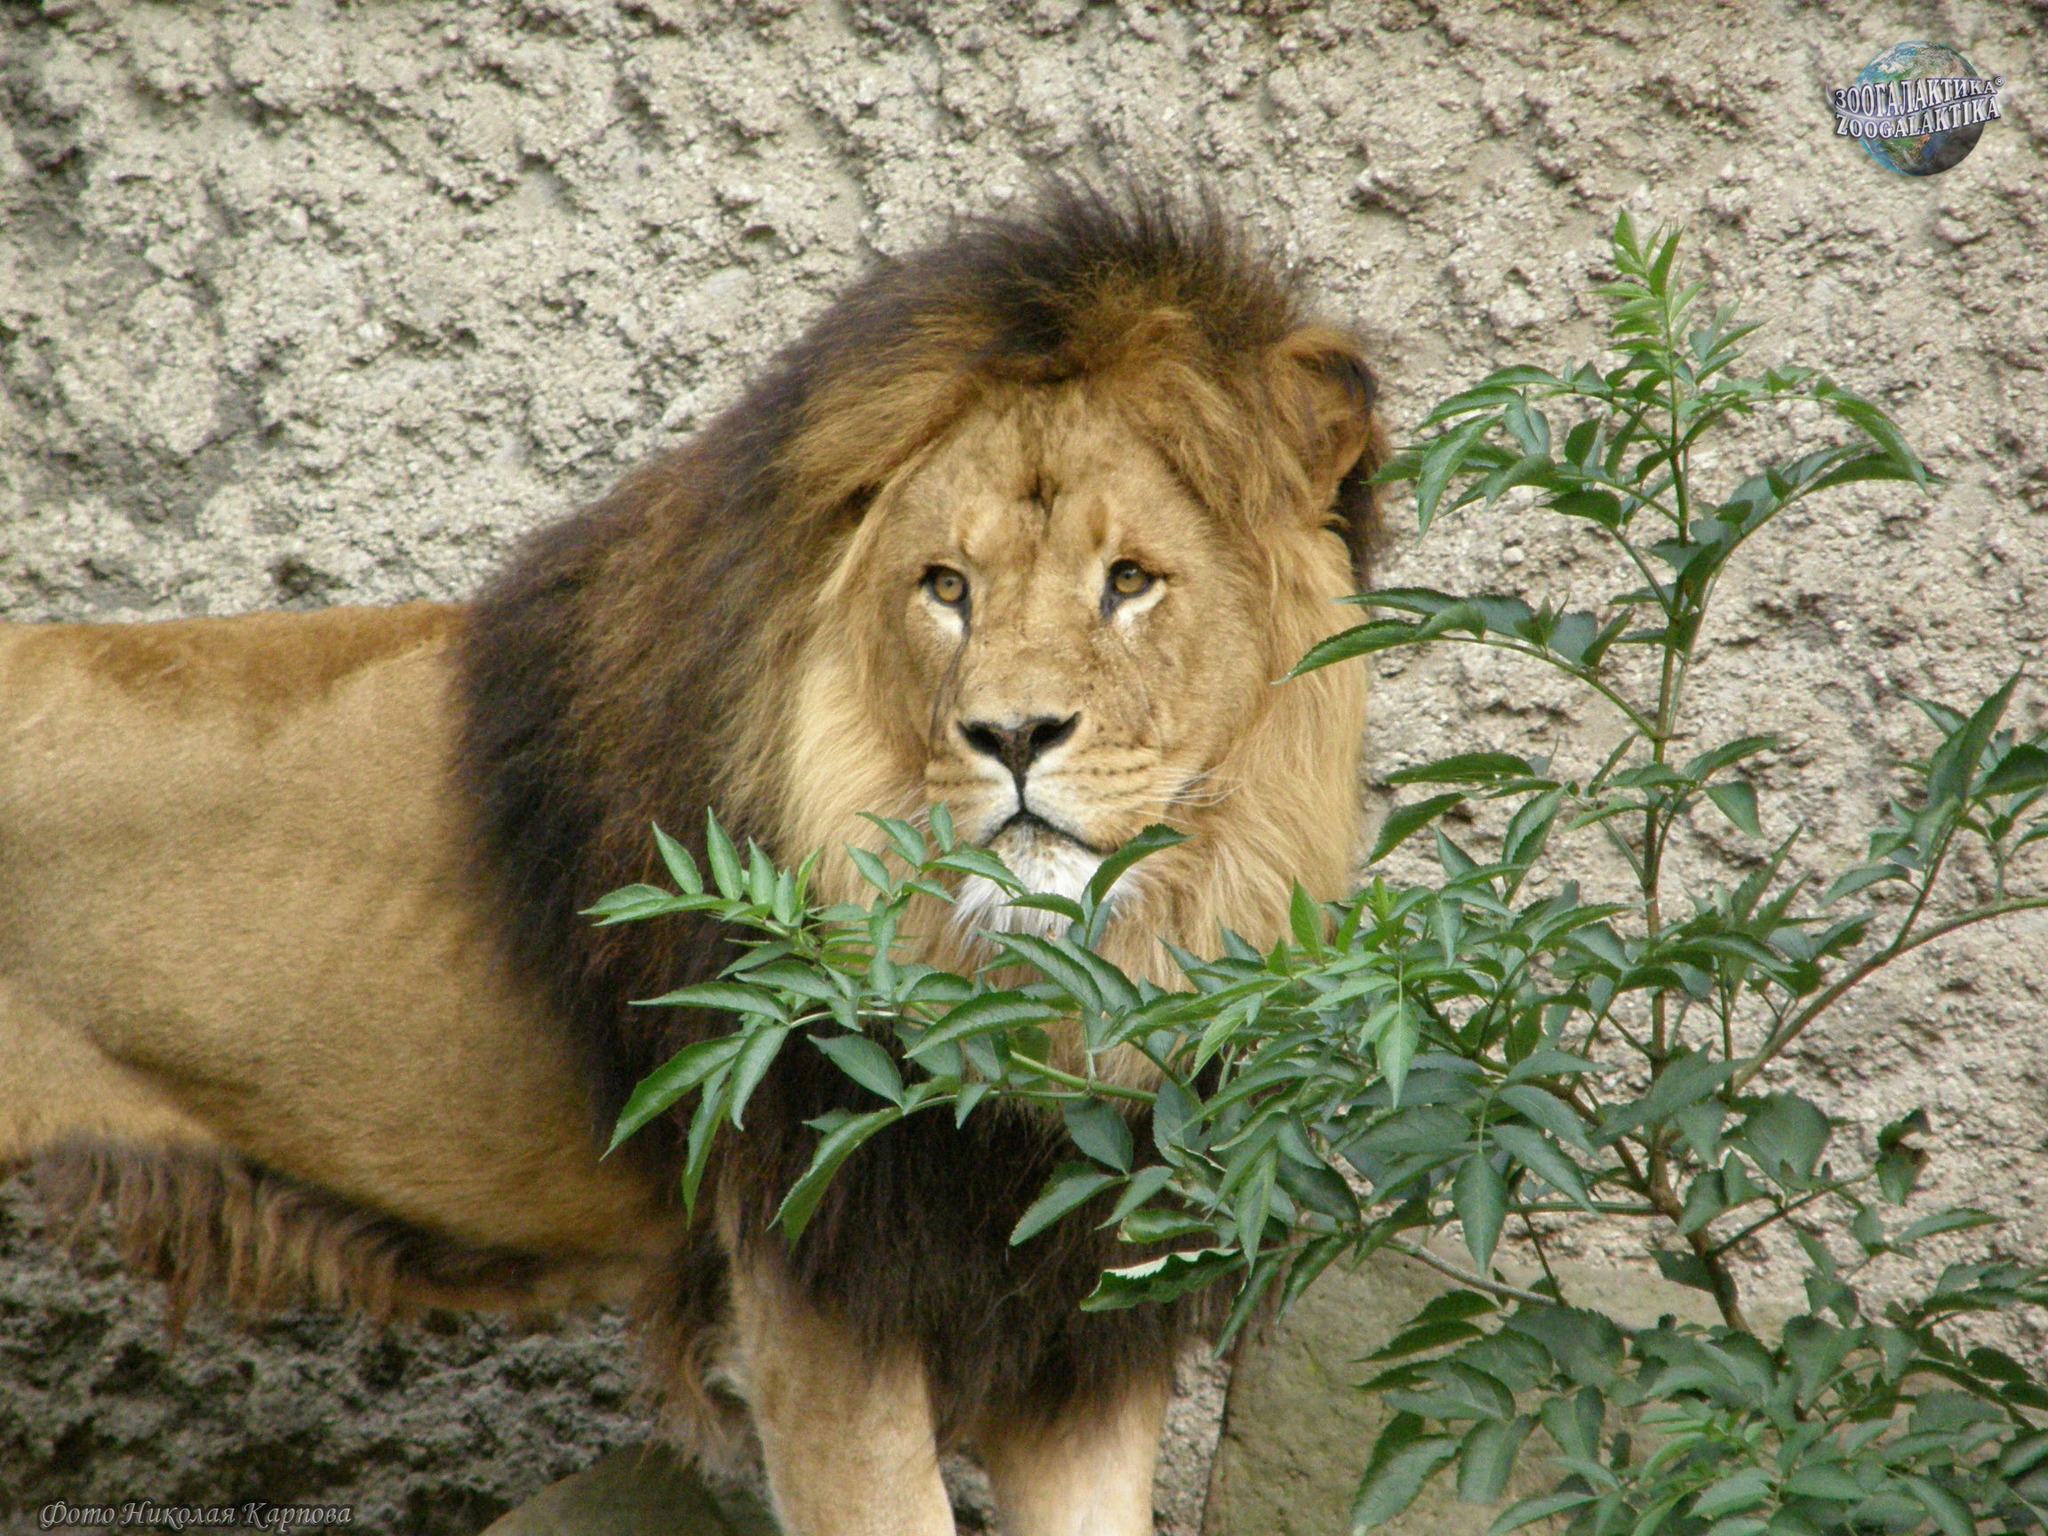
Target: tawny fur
point(291, 944)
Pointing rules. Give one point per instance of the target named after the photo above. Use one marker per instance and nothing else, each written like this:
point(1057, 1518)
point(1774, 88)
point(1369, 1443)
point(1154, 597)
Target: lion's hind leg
point(1088, 1473)
point(848, 1439)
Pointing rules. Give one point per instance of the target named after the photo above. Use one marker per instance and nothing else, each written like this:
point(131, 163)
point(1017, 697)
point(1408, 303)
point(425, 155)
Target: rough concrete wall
point(311, 303)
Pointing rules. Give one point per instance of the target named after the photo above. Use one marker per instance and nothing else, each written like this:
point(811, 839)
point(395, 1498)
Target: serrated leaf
point(2025, 767)
point(1442, 459)
point(1071, 1186)
point(865, 1062)
point(1541, 1507)
point(731, 997)
point(1737, 801)
point(1155, 838)
point(681, 1073)
point(1851, 881)
point(675, 858)
point(1161, 1279)
point(1548, 1111)
point(1099, 1131)
point(725, 863)
point(1466, 768)
point(984, 1014)
point(838, 1144)
point(1486, 1457)
point(1961, 1219)
point(1549, 1164)
point(1739, 1491)
point(1480, 1197)
point(1950, 1513)
point(1403, 822)
point(755, 1058)
point(1397, 1472)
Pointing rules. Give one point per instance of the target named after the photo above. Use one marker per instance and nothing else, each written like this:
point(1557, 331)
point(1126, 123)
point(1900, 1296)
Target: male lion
point(291, 968)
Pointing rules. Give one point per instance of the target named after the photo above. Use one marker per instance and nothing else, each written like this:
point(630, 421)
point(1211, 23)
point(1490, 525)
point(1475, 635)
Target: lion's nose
point(1020, 745)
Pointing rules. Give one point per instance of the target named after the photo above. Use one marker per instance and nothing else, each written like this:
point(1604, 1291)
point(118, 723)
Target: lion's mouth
point(1027, 828)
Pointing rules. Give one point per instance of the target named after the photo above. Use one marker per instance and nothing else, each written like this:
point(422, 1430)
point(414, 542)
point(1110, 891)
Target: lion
point(292, 972)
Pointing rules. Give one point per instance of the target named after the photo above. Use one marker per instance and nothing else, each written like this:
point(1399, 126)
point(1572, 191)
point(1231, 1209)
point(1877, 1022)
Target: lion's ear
point(1325, 391)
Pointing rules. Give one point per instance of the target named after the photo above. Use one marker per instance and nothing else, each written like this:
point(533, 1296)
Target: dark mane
point(631, 664)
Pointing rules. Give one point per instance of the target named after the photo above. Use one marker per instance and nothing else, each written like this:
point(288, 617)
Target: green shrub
point(1461, 1052)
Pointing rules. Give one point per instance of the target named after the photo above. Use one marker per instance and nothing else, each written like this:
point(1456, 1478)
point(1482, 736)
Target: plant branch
point(1466, 1277)
point(1791, 1029)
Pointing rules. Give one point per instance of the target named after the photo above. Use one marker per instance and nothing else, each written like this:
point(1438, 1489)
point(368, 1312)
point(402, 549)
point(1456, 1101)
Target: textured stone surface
point(314, 303)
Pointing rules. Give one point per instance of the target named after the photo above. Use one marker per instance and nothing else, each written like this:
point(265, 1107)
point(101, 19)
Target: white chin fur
point(1049, 866)
point(1053, 866)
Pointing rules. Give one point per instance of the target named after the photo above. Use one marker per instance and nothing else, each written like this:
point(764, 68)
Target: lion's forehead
point(1018, 489)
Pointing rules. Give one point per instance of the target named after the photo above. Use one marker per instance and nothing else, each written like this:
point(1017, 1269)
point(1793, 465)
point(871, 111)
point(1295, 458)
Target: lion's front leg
point(1087, 1474)
point(847, 1438)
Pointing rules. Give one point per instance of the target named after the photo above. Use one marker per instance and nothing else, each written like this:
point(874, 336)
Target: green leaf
point(634, 903)
point(1425, 1336)
point(1071, 1186)
point(725, 863)
point(1785, 1136)
point(676, 860)
point(1737, 801)
point(1405, 821)
point(981, 1015)
point(1359, 640)
point(1544, 1160)
point(1688, 1077)
point(681, 1073)
point(1142, 1186)
point(2025, 767)
point(1574, 1422)
point(1396, 1048)
point(1541, 1507)
point(1150, 840)
point(865, 1062)
point(979, 861)
point(1819, 1480)
point(1961, 1219)
point(1403, 1459)
point(1741, 1490)
point(1467, 768)
point(1954, 764)
point(1161, 1279)
point(1949, 1512)
point(1873, 422)
point(729, 996)
point(1480, 1197)
point(1442, 459)
point(1854, 880)
point(872, 869)
point(756, 1057)
point(1548, 1111)
point(1099, 1131)
point(838, 1144)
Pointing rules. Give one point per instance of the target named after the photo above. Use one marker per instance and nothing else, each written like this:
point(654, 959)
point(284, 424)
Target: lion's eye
point(946, 585)
point(1127, 578)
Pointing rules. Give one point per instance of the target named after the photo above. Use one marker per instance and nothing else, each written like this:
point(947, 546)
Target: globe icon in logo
point(1927, 154)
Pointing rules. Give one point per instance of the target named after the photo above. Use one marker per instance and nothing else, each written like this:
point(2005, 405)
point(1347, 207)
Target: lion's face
point(1072, 632)
point(1039, 626)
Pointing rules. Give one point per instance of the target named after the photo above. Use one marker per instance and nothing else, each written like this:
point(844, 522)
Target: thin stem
point(1789, 1031)
point(1090, 1087)
point(1780, 1213)
point(1467, 1278)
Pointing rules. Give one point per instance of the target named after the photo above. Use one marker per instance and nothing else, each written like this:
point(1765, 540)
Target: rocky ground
point(315, 303)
